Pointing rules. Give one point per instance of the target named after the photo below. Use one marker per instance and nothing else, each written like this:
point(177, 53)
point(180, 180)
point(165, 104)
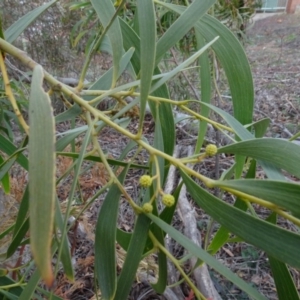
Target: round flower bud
point(168, 200)
point(147, 208)
point(211, 150)
point(145, 181)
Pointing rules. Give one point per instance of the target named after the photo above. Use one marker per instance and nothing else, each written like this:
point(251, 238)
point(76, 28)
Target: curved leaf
point(281, 153)
point(232, 57)
point(41, 175)
point(277, 242)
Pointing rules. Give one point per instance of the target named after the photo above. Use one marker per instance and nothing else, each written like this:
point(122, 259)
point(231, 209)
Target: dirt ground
point(273, 48)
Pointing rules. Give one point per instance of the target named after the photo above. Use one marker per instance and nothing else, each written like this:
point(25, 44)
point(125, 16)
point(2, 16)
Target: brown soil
point(273, 49)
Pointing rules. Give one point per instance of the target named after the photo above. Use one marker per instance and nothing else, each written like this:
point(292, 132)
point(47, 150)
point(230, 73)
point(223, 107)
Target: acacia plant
point(136, 49)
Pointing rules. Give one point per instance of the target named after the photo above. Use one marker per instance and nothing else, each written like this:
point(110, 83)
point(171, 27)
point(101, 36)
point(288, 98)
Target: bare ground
point(273, 49)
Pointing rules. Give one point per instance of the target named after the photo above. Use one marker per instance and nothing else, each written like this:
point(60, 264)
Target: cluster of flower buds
point(167, 199)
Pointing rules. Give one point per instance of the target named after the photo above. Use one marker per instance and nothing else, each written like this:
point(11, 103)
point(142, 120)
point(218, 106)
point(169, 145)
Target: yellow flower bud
point(147, 208)
point(145, 181)
point(211, 150)
point(168, 200)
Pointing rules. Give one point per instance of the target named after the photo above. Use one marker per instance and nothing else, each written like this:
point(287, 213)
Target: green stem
point(213, 123)
point(295, 136)
point(10, 95)
point(261, 202)
point(107, 166)
point(158, 245)
point(88, 203)
point(9, 286)
point(96, 46)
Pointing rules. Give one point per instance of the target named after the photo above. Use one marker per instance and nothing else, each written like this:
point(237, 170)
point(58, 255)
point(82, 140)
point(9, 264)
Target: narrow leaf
point(285, 286)
point(18, 238)
point(280, 243)
point(106, 11)
point(161, 283)
point(32, 283)
point(4, 175)
point(65, 253)
point(113, 162)
point(18, 27)
point(283, 194)
point(233, 59)
point(41, 175)
point(9, 148)
point(207, 258)
point(260, 127)
point(238, 128)
point(23, 210)
point(284, 283)
point(73, 112)
point(123, 238)
point(205, 87)
point(105, 239)
point(105, 81)
point(8, 295)
point(133, 257)
point(158, 144)
point(1, 36)
point(165, 111)
point(278, 152)
point(181, 26)
point(182, 66)
point(147, 31)
point(223, 233)
point(6, 232)
point(30, 286)
point(13, 292)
